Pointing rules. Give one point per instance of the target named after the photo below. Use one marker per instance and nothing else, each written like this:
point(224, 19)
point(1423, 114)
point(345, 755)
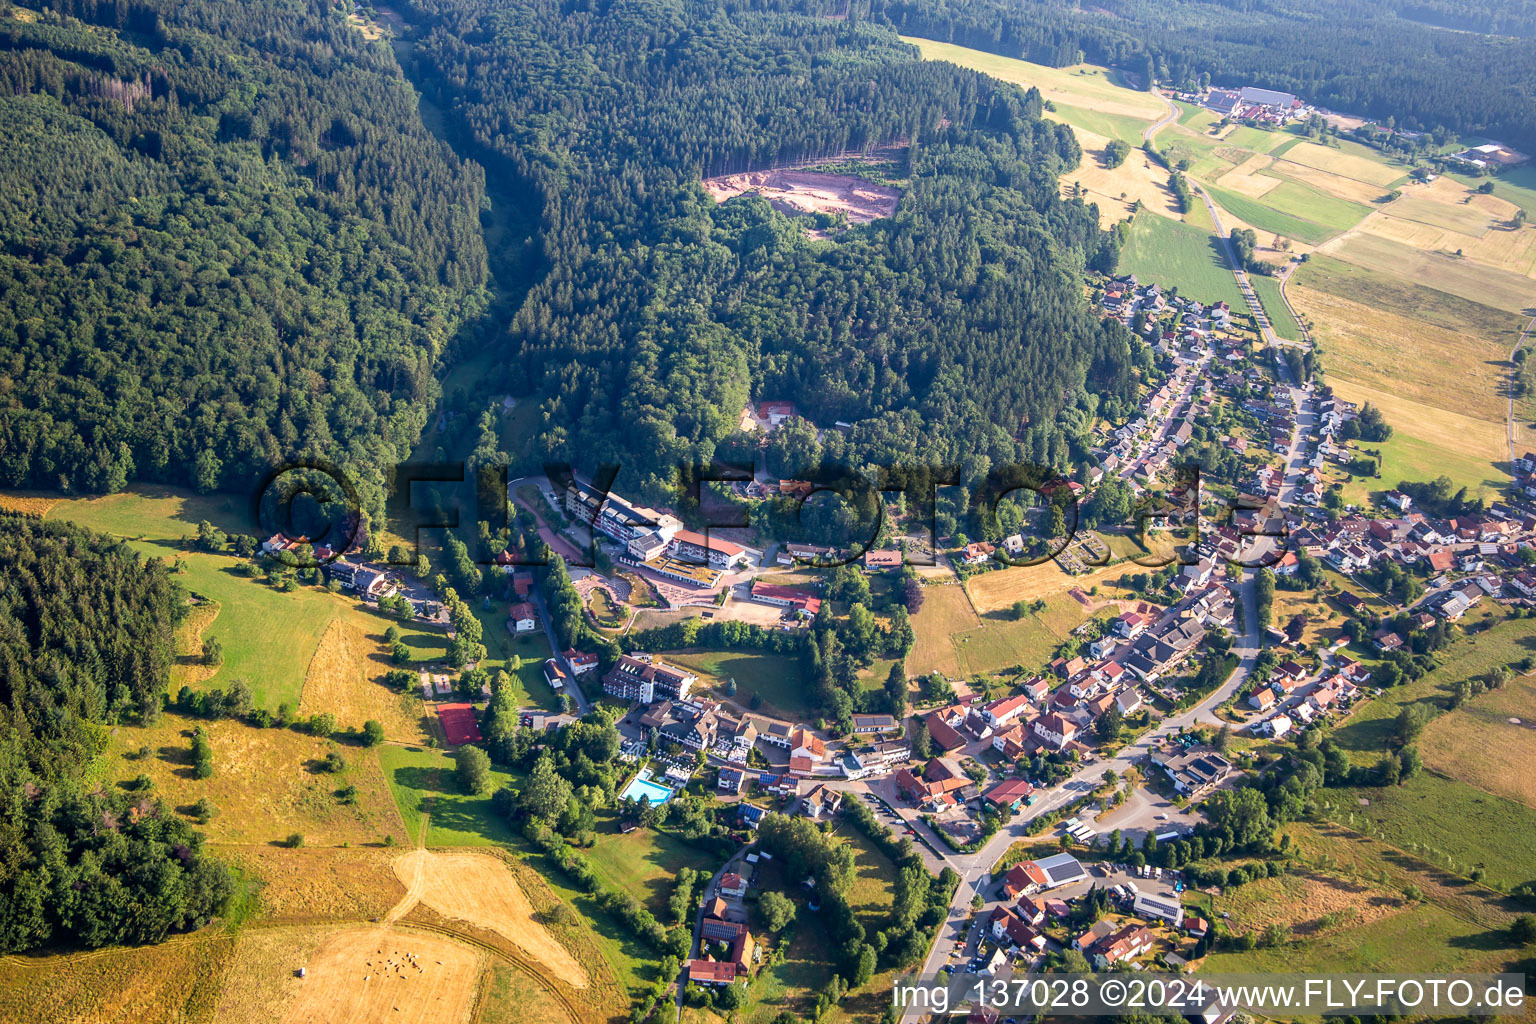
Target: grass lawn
point(417, 775)
point(1177, 255)
point(1419, 449)
point(1365, 733)
point(645, 863)
point(810, 959)
point(773, 676)
point(502, 647)
point(1280, 318)
point(1267, 218)
point(1435, 818)
point(269, 637)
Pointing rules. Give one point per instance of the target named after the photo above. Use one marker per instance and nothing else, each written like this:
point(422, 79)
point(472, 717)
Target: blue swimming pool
point(642, 786)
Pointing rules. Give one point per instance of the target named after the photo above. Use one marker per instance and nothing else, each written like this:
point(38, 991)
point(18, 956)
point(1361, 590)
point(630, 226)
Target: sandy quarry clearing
point(801, 191)
point(376, 974)
point(480, 890)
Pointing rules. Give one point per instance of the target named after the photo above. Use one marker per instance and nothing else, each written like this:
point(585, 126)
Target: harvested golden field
point(1413, 359)
point(1479, 439)
point(479, 889)
point(1116, 190)
point(1489, 743)
point(1078, 85)
point(388, 976)
point(1346, 165)
point(266, 783)
point(169, 983)
point(189, 668)
point(997, 590)
point(1352, 189)
point(1456, 216)
point(345, 677)
point(1490, 286)
point(262, 980)
point(355, 883)
point(1417, 234)
point(1246, 180)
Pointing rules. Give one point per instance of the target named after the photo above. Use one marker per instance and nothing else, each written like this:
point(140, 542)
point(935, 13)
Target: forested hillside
point(85, 637)
point(1419, 61)
point(956, 328)
point(225, 240)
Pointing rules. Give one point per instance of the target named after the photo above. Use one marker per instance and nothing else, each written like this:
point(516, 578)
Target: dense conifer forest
point(954, 331)
point(86, 638)
point(1464, 65)
point(226, 240)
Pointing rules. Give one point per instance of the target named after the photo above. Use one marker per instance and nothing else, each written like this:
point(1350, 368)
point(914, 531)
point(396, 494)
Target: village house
point(522, 618)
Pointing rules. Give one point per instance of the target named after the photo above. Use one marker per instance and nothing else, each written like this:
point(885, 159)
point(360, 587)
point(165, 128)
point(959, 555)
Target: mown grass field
point(1280, 318)
point(645, 863)
point(1501, 289)
point(776, 678)
point(422, 779)
point(1178, 255)
point(945, 611)
point(1274, 214)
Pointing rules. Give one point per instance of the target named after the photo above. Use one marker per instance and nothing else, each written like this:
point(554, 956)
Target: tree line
point(87, 640)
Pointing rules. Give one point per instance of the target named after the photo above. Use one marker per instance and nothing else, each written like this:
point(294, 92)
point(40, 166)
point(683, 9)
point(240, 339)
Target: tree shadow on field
point(426, 781)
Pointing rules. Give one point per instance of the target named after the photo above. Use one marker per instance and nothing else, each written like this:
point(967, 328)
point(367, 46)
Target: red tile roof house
point(805, 751)
point(1009, 794)
point(1127, 944)
point(1054, 730)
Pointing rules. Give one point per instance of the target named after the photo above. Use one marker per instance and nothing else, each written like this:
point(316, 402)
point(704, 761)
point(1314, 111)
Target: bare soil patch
point(804, 190)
